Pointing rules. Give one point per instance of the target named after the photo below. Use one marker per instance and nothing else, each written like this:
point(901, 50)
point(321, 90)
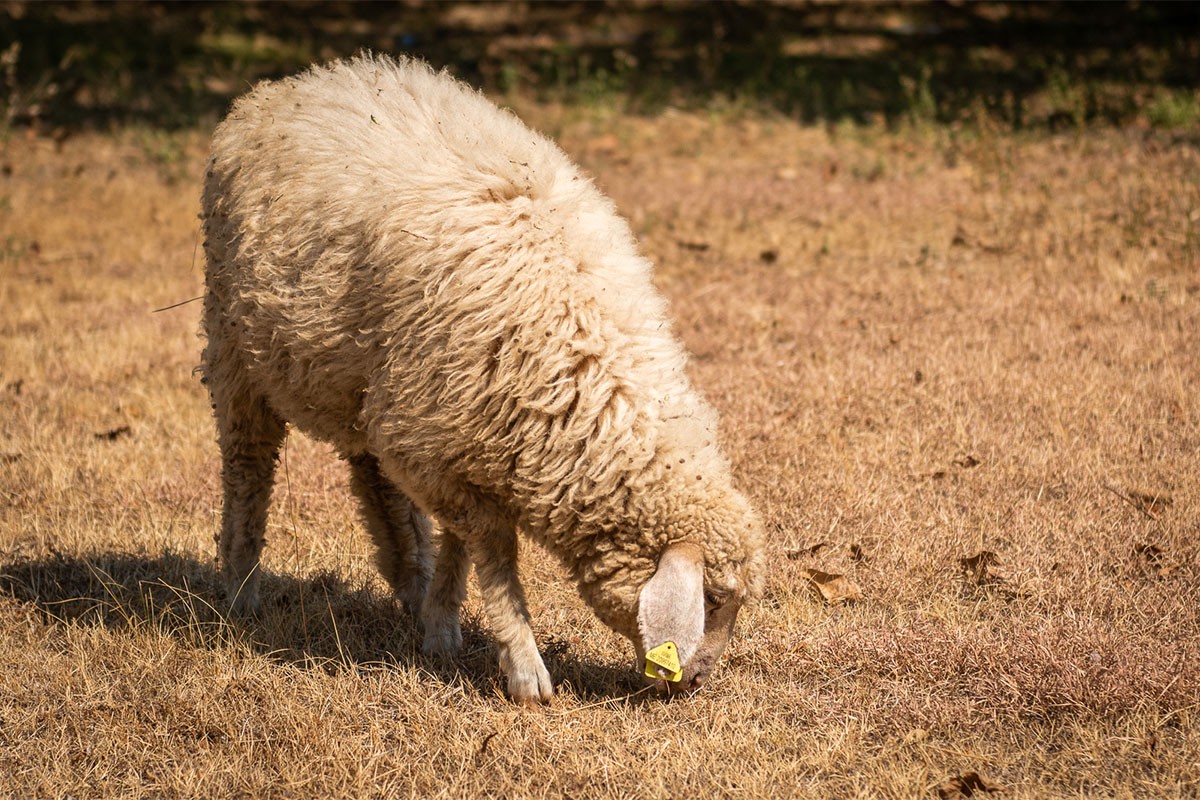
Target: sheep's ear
point(671, 605)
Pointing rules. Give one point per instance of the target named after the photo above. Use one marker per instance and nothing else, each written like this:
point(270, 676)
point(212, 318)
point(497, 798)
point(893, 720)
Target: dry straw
point(959, 344)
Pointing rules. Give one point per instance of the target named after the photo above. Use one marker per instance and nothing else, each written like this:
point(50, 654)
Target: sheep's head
point(687, 593)
point(678, 607)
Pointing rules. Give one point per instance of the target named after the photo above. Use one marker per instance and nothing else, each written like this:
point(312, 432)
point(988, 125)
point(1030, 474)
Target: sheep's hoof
point(412, 597)
point(244, 603)
point(530, 688)
point(411, 607)
point(443, 639)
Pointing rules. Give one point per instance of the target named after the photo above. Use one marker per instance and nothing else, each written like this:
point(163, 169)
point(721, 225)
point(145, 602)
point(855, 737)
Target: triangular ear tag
point(662, 663)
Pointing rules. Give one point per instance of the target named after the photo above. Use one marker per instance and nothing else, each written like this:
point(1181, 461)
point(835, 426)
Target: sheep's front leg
point(495, 557)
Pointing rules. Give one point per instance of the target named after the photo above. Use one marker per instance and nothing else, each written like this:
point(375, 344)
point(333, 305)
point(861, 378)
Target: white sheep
point(400, 268)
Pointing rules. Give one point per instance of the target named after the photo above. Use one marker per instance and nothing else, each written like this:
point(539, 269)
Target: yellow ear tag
point(662, 663)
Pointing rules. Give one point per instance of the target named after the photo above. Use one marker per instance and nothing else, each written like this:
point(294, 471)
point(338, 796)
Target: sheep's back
point(391, 247)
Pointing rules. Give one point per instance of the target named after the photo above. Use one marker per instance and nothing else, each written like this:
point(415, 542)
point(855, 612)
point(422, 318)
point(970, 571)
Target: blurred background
point(72, 66)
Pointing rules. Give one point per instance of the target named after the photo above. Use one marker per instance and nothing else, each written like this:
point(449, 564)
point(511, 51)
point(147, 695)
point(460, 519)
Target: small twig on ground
point(177, 305)
point(569, 712)
point(1129, 500)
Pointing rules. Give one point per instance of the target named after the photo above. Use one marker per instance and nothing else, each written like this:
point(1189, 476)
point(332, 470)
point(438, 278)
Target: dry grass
point(924, 345)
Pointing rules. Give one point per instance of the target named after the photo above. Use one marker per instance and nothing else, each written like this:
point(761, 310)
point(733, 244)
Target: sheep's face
point(687, 594)
point(680, 606)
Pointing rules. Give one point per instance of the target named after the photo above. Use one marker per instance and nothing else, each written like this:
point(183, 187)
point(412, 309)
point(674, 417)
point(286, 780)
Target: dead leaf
point(975, 568)
point(554, 646)
point(769, 256)
point(966, 785)
point(1150, 504)
point(978, 577)
point(857, 553)
point(963, 238)
point(1157, 558)
point(835, 589)
point(483, 746)
point(967, 461)
point(1151, 552)
point(113, 434)
point(1057, 491)
point(698, 247)
point(801, 552)
point(1153, 503)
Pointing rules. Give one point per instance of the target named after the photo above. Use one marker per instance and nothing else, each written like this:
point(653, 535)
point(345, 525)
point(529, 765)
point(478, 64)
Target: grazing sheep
point(400, 268)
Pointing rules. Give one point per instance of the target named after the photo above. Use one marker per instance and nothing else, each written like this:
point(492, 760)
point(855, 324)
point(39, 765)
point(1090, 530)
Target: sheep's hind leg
point(439, 617)
point(401, 532)
point(250, 436)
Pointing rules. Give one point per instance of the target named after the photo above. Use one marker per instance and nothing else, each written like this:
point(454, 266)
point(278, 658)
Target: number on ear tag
point(662, 663)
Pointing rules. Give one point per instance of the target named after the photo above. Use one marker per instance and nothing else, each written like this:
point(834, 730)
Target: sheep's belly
point(318, 389)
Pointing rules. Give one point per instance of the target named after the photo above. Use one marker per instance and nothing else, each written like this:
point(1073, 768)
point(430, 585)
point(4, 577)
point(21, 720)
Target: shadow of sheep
point(318, 622)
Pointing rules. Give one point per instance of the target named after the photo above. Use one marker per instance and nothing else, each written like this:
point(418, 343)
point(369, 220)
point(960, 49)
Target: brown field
point(926, 344)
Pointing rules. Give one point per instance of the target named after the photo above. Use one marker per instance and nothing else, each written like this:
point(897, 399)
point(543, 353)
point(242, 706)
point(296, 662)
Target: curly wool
point(402, 269)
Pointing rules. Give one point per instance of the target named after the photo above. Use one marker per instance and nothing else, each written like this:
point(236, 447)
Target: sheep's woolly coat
point(402, 269)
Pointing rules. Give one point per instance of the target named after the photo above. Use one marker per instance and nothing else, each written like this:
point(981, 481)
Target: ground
point(957, 371)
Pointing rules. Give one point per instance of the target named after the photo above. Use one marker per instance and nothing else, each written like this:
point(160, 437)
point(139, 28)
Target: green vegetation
point(1024, 65)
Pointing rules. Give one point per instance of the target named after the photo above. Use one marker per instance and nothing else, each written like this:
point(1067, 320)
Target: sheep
point(400, 268)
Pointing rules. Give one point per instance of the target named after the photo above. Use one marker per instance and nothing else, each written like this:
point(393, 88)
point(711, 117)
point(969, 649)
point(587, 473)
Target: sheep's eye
point(713, 599)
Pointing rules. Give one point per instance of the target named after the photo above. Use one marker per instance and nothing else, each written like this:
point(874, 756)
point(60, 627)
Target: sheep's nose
point(683, 688)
